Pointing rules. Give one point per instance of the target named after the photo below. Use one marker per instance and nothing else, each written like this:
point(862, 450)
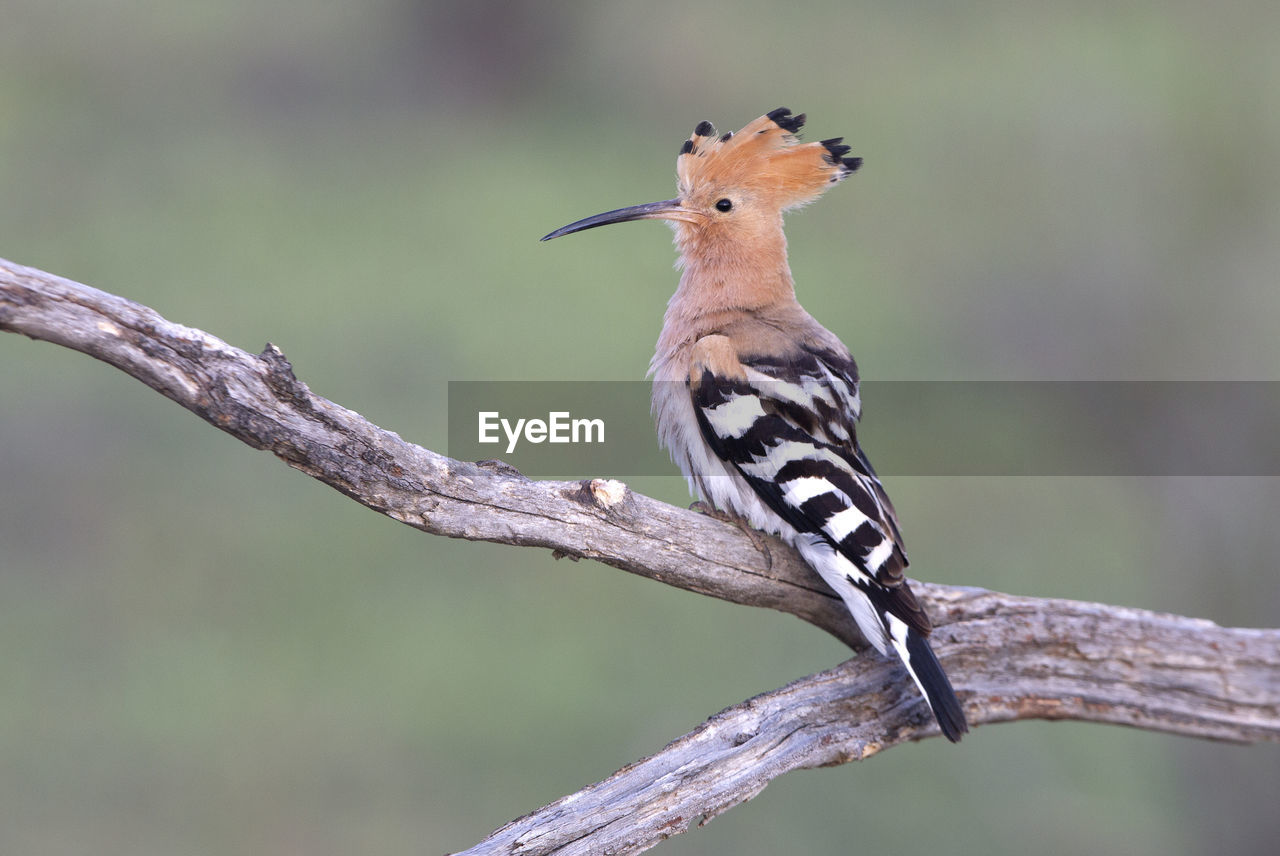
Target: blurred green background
point(207, 652)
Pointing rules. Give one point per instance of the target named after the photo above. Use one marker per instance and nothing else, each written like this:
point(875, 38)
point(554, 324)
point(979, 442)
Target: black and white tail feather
point(789, 429)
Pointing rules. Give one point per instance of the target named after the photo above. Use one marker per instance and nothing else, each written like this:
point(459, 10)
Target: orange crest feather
point(766, 158)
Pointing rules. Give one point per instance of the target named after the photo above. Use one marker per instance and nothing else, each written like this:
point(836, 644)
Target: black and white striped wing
point(789, 428)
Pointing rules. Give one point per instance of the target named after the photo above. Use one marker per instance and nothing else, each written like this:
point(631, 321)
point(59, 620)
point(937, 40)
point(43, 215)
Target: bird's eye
point(724, 205)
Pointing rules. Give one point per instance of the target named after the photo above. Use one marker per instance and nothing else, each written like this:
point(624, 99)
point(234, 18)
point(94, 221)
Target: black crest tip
point(851, 164)
point(835, 149)
point(704, 129)
point(687, 147)
point(783, 119)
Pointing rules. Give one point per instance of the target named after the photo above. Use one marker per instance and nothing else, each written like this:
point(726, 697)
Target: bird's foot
point(756, 536)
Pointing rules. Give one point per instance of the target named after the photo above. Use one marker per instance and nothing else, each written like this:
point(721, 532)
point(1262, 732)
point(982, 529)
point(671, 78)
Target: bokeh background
point(207, 652)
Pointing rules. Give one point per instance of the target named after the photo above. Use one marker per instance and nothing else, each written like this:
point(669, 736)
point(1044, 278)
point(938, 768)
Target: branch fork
point(1010, 657)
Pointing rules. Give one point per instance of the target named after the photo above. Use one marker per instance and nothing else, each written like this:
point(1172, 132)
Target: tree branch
point(1009, 657)
point(257, 399)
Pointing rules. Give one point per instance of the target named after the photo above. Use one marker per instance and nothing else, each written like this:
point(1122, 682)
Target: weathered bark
point(1009, 657)
point(257, 399)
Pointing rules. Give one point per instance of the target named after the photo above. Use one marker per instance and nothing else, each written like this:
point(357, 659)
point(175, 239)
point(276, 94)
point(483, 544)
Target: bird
point(756, 402)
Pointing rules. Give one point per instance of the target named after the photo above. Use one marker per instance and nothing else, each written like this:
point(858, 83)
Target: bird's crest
point(765, 157)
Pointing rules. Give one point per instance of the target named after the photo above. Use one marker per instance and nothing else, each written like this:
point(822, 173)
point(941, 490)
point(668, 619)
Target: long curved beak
point(668, 209)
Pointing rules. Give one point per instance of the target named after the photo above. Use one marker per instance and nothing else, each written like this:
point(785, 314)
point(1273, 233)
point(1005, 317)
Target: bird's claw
point(756, 536)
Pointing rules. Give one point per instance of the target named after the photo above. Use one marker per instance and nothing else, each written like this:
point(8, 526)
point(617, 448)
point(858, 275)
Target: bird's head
point(734, 188)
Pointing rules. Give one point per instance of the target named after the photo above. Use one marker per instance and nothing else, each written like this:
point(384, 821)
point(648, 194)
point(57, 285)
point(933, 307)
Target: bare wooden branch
point(257, 399)
point(1012, 658)
point(1009, 657)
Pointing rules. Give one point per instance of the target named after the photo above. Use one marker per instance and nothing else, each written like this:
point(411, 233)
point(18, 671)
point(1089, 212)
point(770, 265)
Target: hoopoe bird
point(757, 402)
